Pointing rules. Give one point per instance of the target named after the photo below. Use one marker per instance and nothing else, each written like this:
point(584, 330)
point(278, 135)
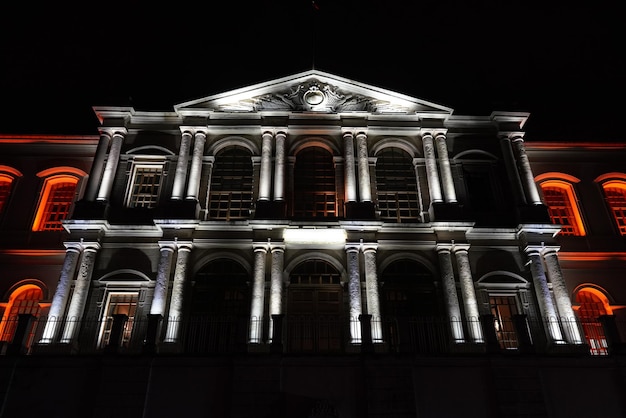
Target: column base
point(447, 212)
point(267, 209)
point(360, 210)
point(533, 214)
point(90, 210)
point(178, 209)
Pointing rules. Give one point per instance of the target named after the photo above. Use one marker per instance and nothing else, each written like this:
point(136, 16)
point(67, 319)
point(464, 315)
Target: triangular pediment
point(312, 91)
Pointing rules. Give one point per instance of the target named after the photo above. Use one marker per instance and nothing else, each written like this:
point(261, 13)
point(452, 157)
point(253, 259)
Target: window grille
point(503, 308)
point(146, 186)
point(5, 191)
point(397, 186)
point(314, 194)
point(591, 308)
point(561, 209)
point(230, 197)
point(58, 203)
point(24, 300)
point(616, 198)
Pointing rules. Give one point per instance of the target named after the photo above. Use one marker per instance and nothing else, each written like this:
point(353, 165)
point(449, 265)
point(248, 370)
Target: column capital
point(194, 130)
point(353, 247)
point(444, 247)
point(434, 132)
point(457, 248)
point(184, 245)
point(534, 249)
point(511, 135)
point(274, 130)
point(347, 132)
point(167, 245)
point(90, 246)
point(113, 131)
point(260, 246)
point(369, 247)
point(73, 246)
point(277, 248)
point(361, 132)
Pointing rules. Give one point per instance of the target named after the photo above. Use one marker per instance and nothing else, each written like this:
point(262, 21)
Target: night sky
point(562, 62)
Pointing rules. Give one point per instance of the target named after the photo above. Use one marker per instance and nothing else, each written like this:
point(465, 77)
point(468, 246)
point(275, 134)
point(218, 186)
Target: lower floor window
point(118, 303)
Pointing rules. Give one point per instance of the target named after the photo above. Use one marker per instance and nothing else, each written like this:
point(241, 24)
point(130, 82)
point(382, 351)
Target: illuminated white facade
point(315, 215)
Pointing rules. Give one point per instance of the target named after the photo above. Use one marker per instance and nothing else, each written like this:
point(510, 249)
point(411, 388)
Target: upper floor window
point(560, 197)
point(615, 194)
point(396, 185)
point(230, 195)
point(314, 193)
point(146, 185)
point(7, 177)
point(57, 197)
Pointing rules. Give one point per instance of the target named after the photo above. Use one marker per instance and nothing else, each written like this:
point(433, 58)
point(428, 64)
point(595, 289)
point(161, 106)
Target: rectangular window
point(118, 303)
point(145, 187)
point(503, 307)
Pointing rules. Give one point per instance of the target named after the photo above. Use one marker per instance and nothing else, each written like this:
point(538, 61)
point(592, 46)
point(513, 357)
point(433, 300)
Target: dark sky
point(562, 62)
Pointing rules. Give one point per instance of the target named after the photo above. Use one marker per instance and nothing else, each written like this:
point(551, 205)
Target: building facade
point(311, 246)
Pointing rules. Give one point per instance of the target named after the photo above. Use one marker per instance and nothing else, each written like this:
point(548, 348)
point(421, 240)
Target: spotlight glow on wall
point(314, 236)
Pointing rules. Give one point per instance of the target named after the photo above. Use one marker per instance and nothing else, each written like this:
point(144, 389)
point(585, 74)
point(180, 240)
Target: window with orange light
point(592, 305)
point(55, 204)
point(24, 300)
point(5, 190)
point(615, 193)
point(561, 202)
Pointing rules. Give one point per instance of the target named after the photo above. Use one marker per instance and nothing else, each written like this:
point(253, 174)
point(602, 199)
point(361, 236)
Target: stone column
point(365, 185)
point(172, 333)
point(162, 279)
point(180, 177)
point(544, 297)
point(434, 187)
point(561, 295)
point(449, 291)
point(371, 286)
point(276, 286)
point(265, 177)
point(419, 187)
point(111, 166)
point(59, 300)
point(446, 172)
point(511, 170)
point(81, 291)
point(95, 175)
point(526, 174)
point(196, 166)
point(354, 291)
point(349, 172)
point(258, 295)
point(279, 167)
point(468, 293)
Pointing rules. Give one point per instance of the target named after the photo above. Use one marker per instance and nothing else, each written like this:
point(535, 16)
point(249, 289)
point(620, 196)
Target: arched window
point(615, 194)
point(591, 305)
point(230, 194)
point(7, 177)
point(314, 194)
point(23, 300)
point(396, 184)
point(58, 194)
point(560, 197)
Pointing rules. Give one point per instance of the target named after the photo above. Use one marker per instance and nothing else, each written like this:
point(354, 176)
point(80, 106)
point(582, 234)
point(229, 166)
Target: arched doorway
point(411, 308)
point(314, 308)
point(23, 300)
point(219, 309)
